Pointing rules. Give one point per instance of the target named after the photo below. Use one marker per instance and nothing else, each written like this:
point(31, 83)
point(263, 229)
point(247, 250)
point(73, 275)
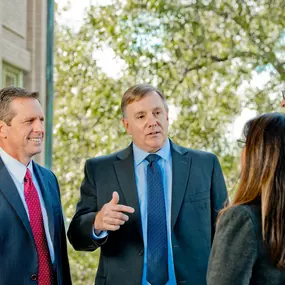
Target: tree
point(198, 52)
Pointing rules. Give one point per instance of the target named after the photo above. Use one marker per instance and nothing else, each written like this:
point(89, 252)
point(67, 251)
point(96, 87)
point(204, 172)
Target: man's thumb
point(115, 198)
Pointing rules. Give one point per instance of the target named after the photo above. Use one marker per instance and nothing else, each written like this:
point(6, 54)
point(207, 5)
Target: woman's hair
point(263, 177)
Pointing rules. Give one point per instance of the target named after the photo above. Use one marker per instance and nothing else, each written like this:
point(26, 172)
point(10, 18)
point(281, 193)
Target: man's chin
point(155, 147)
point(35, 151)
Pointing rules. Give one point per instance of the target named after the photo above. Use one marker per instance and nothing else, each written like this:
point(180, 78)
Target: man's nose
point(151, 120)
point(39, 126)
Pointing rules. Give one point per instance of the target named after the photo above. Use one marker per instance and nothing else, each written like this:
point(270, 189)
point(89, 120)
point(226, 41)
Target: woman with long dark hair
point(249, 244)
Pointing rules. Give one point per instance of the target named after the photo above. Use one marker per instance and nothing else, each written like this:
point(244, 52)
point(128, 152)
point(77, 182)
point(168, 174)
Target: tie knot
point(152, 158)
point(28, 175)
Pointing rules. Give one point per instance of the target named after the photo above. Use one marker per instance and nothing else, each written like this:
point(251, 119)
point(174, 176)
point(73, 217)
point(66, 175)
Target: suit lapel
point(9, 190)
point(124, 168)
point(180, 173)
point(181, 165)
point(46, 194)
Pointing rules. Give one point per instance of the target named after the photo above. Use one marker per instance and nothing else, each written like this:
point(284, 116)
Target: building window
point(12, 76)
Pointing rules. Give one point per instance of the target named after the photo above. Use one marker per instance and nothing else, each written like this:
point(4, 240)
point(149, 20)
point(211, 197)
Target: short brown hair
point(137, 92)
point(7, 95)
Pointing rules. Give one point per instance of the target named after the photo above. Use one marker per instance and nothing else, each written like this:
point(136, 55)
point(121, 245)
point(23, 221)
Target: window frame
point(13, 72)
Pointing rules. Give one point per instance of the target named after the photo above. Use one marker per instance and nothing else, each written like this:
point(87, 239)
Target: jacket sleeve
point(66, 277)
point(61, 246)
point(80, 228)
point(234, 251)
point(219, 194)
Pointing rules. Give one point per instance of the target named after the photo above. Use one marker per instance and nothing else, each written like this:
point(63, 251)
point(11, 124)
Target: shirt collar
point(140, 155)
point(15, 167)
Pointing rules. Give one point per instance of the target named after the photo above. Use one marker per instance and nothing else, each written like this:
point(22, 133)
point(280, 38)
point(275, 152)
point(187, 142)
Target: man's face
point(146, 121)
point(23, 138)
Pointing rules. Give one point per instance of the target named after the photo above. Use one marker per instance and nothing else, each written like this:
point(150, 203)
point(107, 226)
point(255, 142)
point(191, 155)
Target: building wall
point(23, 26)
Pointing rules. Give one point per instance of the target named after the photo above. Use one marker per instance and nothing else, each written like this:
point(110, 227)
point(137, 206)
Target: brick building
point(23, 47)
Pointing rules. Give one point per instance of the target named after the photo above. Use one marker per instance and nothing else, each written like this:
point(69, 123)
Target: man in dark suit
point(162, 230)
point(32, 236)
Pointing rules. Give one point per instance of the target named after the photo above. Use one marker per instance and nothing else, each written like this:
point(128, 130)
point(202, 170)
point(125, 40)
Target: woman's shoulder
point(250, 213)
point(253, 208)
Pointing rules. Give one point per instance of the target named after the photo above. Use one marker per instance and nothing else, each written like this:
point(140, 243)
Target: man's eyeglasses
point(241, 143)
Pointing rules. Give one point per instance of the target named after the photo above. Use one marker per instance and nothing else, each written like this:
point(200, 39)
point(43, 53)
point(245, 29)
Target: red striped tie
point(45, 273)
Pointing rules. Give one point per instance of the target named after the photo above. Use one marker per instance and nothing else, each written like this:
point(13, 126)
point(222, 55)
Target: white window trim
point(14, 72)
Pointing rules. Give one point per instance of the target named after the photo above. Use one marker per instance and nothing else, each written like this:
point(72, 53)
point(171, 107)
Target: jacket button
point(141, 252)
point(34, 277)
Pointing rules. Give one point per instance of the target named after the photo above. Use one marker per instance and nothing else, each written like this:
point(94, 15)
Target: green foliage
point(198, 52)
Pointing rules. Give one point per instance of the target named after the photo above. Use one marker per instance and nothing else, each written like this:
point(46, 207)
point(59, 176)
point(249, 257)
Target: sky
point(75, 14)
point(112, 66)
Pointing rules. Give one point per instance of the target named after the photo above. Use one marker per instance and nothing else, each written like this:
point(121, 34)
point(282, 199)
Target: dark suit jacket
point(239, 256)
point(198, 193)
point(18, 255)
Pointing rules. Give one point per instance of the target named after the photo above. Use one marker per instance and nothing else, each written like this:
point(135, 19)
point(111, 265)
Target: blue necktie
point(157, 255)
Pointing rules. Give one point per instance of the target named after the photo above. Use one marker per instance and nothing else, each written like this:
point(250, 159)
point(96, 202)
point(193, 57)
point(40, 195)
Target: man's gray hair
point(136, 93)
point(7, 95)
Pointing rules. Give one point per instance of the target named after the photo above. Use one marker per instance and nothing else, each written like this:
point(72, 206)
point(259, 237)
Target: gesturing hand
point(112, 216)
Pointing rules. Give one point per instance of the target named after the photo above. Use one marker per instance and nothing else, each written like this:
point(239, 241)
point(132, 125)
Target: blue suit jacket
point(18, 255)
point(198, 193)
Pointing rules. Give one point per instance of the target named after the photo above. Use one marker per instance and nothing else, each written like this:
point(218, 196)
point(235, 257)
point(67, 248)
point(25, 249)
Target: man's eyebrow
point(33, 118)
point(140, 113)
point(29, 118)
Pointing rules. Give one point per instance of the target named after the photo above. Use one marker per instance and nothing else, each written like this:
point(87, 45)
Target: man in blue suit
point(32, 236)
point(162, 230)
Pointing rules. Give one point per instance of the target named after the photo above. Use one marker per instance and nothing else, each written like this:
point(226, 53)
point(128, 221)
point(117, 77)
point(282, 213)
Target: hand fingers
point(112, 228)
point(120, 208)
point(115, 198)
point(117, 215)
point(113, 221)
point(123, 208)
point(112, 216)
